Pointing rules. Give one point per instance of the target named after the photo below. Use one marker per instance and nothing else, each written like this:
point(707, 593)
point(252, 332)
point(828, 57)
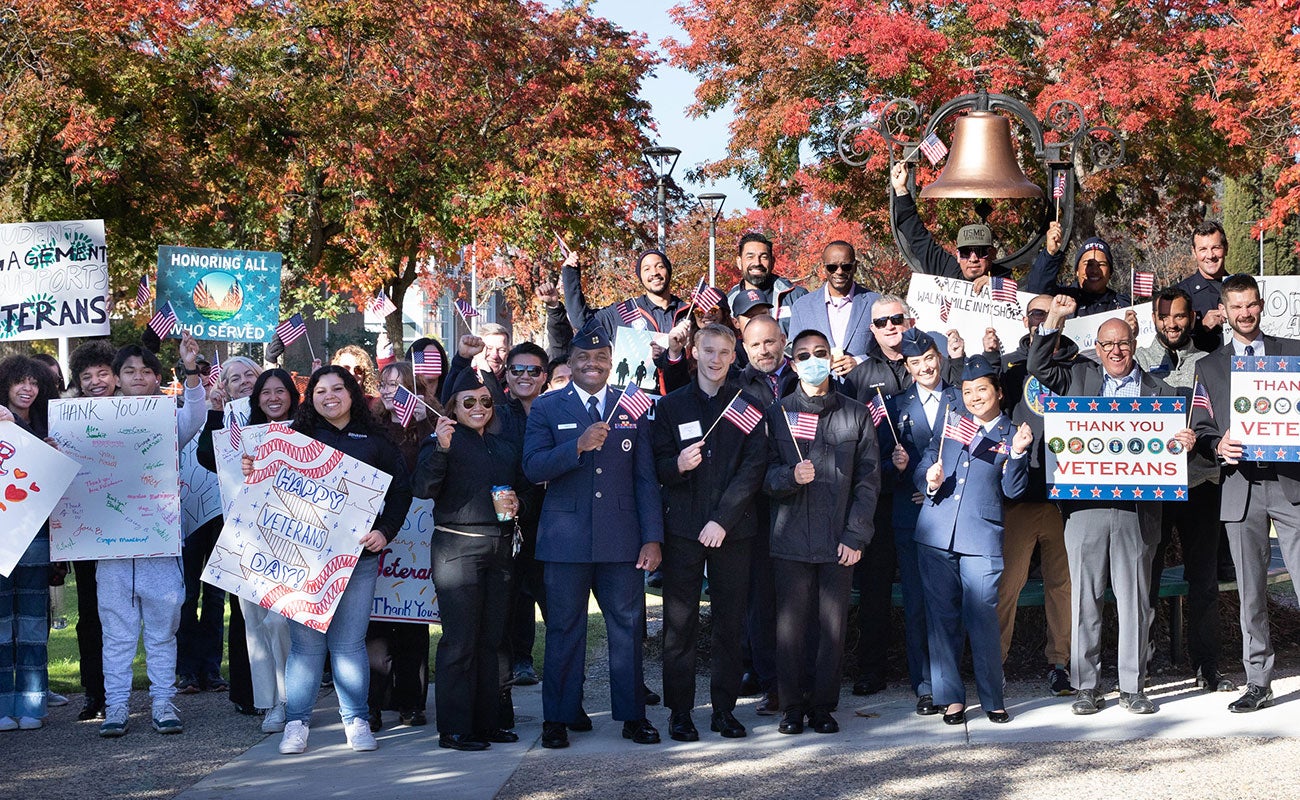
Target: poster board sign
point(53, 280)
point(1115, 448)
point(1281, 296)
point(942, 304)
point(632, 358)
point(33, 476)
point(1265, 393)
point(229, 457)
point(221, 295)
point(1083, 330)
point(200, 496)
point(125, 500)
point(404, 591)
point(292, 537)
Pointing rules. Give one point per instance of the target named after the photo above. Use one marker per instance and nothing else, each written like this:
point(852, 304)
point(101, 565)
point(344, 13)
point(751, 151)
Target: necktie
point(592, 409)
point(772, 381)
point(1250, 349)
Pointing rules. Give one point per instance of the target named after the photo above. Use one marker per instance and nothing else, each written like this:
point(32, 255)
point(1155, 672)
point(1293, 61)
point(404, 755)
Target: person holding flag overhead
point(1093, 267)
point(601, 525)
point(710, 452)
point(823, 479)
point(965, 473)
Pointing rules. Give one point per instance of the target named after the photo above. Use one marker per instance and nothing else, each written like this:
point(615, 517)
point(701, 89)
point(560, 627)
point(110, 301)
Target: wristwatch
point(194, 371)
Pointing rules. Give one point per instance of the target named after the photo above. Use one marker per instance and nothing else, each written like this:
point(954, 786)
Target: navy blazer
point(965, 514)
point(809, 313)
point(914, 434)
point(616, 484)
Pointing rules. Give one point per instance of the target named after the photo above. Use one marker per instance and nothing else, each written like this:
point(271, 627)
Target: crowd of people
point(798, 447)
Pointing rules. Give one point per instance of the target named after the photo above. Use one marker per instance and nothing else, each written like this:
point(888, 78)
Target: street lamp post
point(661, 161)
point(712, 203)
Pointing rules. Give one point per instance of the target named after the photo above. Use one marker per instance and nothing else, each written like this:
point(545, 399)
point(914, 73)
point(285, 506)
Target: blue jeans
point(346, 640)
point(24, 632)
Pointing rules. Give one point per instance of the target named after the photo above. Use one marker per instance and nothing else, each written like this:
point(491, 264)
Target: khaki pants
point(1027, 525)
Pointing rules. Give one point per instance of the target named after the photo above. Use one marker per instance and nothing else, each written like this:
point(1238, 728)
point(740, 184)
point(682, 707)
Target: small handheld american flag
point(214, 371)
point(1201, 398)
point(634, 401)
point(1144, 284)
point(960, 427)
point(933, 148)
point(404, 404)
point(627, 312)
point(802, 425)
point(1058, 188)
point(163, 320)
point(291, 330)
point(381, 305)
point(236, 435)
point(1004, 290)
point(142, 292)
point(877, 408)
point(427, 363)
point(466, 310)
point(743, 415)
point(706, 297)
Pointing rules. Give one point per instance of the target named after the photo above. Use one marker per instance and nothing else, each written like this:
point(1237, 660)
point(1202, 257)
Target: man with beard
point(757, 265)
point(1210, 249)
point(1255, 493)
point(1093, 266)
point(840, 310)
point(1172, 357)
point(975, 249)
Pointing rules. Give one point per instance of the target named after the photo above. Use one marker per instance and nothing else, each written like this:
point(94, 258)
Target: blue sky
point(669, 91)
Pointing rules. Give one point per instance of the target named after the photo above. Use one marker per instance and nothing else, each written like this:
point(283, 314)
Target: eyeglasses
point(520, 370)
point(1118, 344)
point(1036, 314)
point(818, 353)
point(833, 268)
point(892, 319)
point(967, 253)
point(469, 402)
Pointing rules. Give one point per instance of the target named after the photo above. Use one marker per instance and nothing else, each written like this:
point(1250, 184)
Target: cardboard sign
point(1281, 296)
point(404, 591)
point(33, 476)
point(221, 295)
point(293, 535)
point(1266, 407)
point(1115, 448)
point(942, 304)
point(125, 501)
point(53, 280)
point(229, 457)
point(200, 495)
point(1083, 330)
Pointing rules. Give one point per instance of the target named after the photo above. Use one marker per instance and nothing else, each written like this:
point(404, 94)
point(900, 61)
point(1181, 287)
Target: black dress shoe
point(93, 709)
point(791, 722)
point(414, 718)
point(582, 724)
point(999, 717)
point(868, 686)
point(462, 741)
point(1255, 698)
point(681, 728)
point(642, 732)
point(749, 685)
point(651, 699)
point(925, 706)
point(1211, 680)
point(823, 722)
point(498, 736)
point(725, 723)
point(956, 718)
point(554, 735)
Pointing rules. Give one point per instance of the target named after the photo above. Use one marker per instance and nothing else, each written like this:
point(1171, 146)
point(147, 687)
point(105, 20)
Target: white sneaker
point(53, 699)
point(115, 719)
point(8, 724)
point(295, 738)
point(30, 723)
point(166, 720)
point(359, 735)
point(274, 721)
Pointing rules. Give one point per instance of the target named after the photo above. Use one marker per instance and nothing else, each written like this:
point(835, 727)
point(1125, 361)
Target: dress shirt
point(600, 398)
point(1256, 347)
point(1128, 386)
point(838, 311)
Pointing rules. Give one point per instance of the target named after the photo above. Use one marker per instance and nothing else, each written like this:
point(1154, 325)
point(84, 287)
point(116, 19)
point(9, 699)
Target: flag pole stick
point(788, 427)
point(888, 419)
point(719, 419)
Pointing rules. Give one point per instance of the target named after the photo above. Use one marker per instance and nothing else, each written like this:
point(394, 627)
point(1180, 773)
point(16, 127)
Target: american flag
point(945, 308)
point(1058, 190)
point(877, 408)
point(163, 320)
point(706, 297)
point(291, 330)
point(404, 404)
point(1201, 399)
point(142, 292)
point(381, 306)
point(933, 148)
point(236, 435)
point(802, 425)
point(960, 427)
point(634, 401)
point(214, 371)
point(627, 312)
point(742, 415)
point(1004, 290)
point(466, 310)
point(427, 363)
point(1144, 284)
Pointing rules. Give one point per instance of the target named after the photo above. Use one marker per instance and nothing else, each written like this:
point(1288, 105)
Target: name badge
point(689, 430)
point(568, 426)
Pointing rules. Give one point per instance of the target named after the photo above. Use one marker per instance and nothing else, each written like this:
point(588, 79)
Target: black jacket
point(933, 259)
point(755, 384)
point(1022, 401)
point(891, 377)
point(1042, 280)
point(460, 479)
point(810, 521)
point(723, 487)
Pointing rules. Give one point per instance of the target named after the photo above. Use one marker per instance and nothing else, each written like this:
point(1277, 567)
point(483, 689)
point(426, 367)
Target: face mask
point(813, 371)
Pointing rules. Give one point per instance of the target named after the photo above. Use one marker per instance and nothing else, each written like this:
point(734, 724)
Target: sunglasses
point(1037, 314)
point(520, 370)
point(966, 253)
point(833, 268)
point(819, 353)
point(892, 319)
point(469, 402)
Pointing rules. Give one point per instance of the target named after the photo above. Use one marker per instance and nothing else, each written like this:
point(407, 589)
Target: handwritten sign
point(1281, 296)
point(1115, 448)
point(125, 500)
point(1265, 393)
point(221, 295)
point(404, 591)
point(941, 304)
point(53, 280)
point(229, 457)
point(200, 496)
point(293, 535)
point(33, 476)
point(1083, 330)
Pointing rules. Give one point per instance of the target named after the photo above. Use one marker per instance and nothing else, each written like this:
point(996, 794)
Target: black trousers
point(760, 619)
point(199, 636)
point(874, 575)
point(526, 592)
point(399, 665)
point(683, 566)
point(241, 674)
point(812, 600)
point(90, 634)
point(472, 574)
point(1199, 530)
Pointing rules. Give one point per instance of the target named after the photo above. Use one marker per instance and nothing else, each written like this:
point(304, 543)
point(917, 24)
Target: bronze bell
point(982, 163)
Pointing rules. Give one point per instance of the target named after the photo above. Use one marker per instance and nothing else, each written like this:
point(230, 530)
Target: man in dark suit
point(601, 525)
point(1106, 541)
point(1255, 493)
point(840, 309)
